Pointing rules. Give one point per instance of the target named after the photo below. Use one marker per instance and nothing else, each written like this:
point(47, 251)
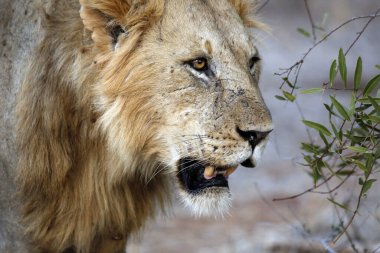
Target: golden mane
point(246, 10)
point(67, 178)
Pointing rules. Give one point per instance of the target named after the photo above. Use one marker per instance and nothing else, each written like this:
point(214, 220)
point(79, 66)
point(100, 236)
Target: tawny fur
point(90, 141)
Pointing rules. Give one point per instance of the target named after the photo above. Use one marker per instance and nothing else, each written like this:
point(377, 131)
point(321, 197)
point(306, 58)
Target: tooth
point(209, 172)
point(229, 171)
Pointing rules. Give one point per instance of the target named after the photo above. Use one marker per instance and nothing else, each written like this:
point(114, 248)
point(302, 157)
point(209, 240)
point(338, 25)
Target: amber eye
point(199, 64)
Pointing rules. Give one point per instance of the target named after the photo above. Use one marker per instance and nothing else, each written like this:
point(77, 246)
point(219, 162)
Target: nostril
point(247, 135)
point(252, 136)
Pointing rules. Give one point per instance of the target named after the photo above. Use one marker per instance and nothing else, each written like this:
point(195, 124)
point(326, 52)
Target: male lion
point(125, 101)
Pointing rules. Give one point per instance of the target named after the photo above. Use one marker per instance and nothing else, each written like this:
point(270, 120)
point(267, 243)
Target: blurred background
point(256, 223)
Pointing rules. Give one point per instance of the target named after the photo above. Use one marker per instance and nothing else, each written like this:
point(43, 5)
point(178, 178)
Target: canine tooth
point(209, 172)
point(229, 171)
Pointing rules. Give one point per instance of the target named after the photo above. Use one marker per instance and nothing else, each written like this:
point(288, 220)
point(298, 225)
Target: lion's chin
point(209, 202)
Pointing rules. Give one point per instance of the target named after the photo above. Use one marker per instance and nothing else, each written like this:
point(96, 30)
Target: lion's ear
point(109, 19)
point(247, 10)
point(105, 20)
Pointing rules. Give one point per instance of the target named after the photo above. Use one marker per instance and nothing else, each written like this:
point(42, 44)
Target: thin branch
point(313, 26)
point(310, 190)
point(345, 231)
point(361, 194)
point(361, 32)
point(371, 17)
point(298, 65)
point(335, 188)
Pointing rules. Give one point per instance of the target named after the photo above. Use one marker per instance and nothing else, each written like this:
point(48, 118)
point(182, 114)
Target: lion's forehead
point(195, 22)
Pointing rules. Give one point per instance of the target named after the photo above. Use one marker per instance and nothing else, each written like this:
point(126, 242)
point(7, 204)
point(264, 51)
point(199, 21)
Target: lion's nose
point(252, 136)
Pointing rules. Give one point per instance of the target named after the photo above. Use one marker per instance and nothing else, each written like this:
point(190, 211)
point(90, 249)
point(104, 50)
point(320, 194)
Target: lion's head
point(185, 98)
point(124, 99)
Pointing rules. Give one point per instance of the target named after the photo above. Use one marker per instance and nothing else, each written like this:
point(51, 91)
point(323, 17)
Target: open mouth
point(196, 175)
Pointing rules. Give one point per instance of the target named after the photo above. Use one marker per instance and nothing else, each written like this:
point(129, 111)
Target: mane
point(247, 10)
point(67, 175)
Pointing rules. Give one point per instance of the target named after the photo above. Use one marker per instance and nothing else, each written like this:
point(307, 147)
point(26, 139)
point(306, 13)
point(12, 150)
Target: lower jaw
point(210, 202)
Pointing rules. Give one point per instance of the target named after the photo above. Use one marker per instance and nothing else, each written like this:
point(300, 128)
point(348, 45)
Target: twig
point(313, 26)
point(298, 65)
point(361, 32)
point(345, 231)
point(361, 194)
point(335, 188)
point(310, 190)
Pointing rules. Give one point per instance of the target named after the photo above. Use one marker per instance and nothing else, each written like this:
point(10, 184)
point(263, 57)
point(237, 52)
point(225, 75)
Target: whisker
point(159, 169)
point(202, 163)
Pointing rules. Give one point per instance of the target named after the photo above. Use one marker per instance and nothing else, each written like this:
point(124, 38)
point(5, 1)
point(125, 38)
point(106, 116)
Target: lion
point(127, 103)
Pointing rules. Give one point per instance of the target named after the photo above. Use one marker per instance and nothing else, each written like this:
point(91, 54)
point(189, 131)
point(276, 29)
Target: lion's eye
point(253, 61)
point(199, 64)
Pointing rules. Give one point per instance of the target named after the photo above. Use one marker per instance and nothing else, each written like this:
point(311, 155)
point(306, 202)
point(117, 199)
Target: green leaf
point(316, 174)
point(358, 149)
point(371, 85)
point(366, 101)
point(332, 73)
point(286, 80)
point(323, 138)
point(342, 66)
point(374, 119)
point(345, 172)
point(342, 111)
point(337, 204)
point(317, 127)
point(370, 161)
point(334, 129)
point(330, 110)
point(303, 32)
point(280, 98)
point(351, 110)
point(367, 185)
point(360, 165)
point(340, 136)
point(377, 66)
point(311, 91)
point(307, 159)
point(375, 104)
point(309, 147)
point(358, 74)
point(289, 96)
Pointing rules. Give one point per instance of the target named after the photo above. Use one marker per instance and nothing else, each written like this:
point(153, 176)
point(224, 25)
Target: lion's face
point(200, 84)
point(215, 116)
